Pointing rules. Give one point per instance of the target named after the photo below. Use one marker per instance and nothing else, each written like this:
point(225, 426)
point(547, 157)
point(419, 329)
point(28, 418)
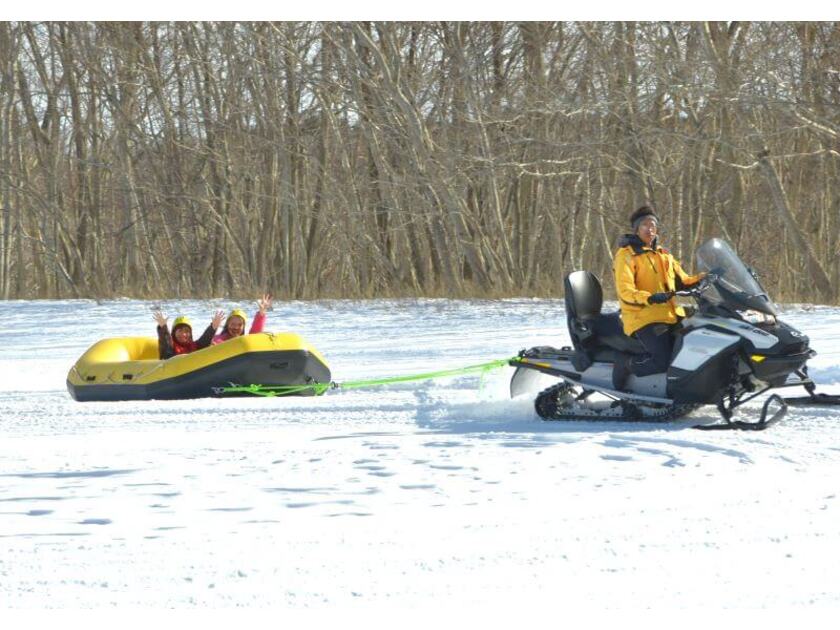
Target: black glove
point(660, 298)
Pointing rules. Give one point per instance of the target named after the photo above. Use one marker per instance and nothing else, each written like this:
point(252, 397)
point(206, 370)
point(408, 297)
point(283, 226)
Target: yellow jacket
point(640, 271)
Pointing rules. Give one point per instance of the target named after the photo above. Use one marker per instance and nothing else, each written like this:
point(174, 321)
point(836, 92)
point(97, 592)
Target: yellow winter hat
point(238, 312)
point(182, 320)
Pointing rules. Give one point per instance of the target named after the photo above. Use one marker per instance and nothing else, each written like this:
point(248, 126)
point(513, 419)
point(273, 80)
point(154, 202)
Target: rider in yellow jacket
point(646, 276)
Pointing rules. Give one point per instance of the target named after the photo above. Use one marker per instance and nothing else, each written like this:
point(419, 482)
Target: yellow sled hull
point(128, 368)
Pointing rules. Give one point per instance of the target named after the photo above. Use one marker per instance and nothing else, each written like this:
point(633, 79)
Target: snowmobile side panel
point(699, 345)
point(703, 384)
point(760, 339)
point(654, 386)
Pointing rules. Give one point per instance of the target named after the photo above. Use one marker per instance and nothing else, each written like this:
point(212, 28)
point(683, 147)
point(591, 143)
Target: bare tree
point(388, 158)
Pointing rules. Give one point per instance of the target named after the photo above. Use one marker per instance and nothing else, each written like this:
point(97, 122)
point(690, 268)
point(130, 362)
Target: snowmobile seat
point(596, 336)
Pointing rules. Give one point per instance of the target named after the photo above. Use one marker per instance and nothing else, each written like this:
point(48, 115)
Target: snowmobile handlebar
point(695, 290)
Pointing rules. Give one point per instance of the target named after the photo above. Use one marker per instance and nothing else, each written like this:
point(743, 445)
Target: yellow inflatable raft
point(128, 368)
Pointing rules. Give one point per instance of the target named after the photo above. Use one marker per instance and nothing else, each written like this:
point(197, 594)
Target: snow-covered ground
point(441, 492)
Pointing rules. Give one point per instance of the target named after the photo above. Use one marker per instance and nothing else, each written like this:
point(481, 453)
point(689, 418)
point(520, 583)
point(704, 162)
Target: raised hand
point(264, 303)
point(160, 318)
point(218, 318)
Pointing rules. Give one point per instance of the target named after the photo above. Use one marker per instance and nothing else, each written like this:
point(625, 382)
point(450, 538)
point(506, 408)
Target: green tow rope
point(320, 388)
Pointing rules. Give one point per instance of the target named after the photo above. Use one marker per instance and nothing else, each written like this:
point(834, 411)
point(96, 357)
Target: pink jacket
point(256, 327)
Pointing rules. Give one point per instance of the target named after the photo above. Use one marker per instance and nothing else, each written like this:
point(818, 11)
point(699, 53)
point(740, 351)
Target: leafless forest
point(389, 159)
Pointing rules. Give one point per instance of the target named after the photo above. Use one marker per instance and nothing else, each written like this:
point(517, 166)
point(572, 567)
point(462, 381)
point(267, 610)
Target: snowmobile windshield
point(736, 285)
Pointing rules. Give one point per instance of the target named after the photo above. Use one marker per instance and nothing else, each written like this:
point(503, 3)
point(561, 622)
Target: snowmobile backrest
point(583, 306)
point(584, 296)
point(595, 336)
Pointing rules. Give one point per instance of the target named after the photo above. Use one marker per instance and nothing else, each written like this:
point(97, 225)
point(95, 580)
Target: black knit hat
point(640, 215)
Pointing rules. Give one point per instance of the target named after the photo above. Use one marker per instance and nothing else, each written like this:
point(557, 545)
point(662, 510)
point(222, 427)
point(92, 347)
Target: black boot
point(621, 371)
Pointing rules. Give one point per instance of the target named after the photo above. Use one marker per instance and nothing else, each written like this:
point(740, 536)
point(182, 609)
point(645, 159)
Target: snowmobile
point(728, 350)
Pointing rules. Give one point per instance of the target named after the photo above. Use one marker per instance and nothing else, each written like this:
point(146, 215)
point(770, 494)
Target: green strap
point(320, 388)
point(274, 390)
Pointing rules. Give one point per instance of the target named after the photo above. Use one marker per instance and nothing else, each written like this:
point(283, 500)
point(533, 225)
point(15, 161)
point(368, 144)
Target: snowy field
point(444, 492)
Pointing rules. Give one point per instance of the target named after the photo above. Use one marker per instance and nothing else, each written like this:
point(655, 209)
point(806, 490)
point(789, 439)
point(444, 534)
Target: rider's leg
point(658, 342)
